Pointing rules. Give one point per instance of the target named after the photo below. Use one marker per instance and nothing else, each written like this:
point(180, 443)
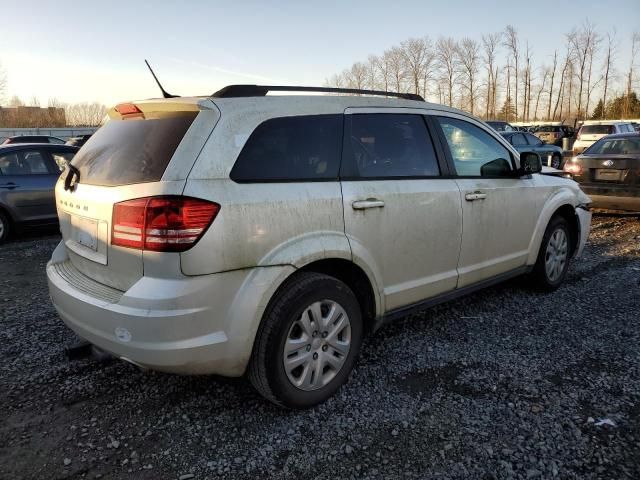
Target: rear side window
point(298, 148)
point(131, 151)
point(62, 159)
point(597, 129)
point(518, 140)
point(389, 145)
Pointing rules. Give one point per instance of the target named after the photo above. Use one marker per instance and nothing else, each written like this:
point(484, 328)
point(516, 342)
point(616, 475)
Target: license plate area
point(85, 232)
point(608, 175)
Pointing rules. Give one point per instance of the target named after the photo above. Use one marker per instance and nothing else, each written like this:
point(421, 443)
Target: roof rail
point(231, 91)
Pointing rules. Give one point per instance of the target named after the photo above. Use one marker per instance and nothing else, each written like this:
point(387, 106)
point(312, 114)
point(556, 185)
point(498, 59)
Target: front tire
point(552, 263)
point(308, 341)
point(556, 161)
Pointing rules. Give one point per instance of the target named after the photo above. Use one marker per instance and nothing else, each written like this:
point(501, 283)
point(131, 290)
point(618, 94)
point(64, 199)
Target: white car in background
point(591, 131)
point(245, 233)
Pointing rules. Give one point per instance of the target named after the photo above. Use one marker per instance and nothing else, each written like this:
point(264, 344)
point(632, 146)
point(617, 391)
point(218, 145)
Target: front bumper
point(584, 217)
point(190, 325)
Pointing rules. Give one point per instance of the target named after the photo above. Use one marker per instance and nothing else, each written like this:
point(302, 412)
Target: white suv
point(592, 131)
point(268, 234)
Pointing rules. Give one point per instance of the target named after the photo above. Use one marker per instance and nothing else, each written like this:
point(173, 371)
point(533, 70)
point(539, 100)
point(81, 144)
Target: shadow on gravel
point(430, 380)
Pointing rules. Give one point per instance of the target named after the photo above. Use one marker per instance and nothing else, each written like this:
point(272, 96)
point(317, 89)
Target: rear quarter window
point(298, 148)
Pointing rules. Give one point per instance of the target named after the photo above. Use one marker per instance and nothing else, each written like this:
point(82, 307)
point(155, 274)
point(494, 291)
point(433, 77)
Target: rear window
point(597, 129)
point(618, 146)
point(549, 129)
point(299, 148)
point(131, 151)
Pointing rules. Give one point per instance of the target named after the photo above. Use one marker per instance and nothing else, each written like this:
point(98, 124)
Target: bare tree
point(490, 44)
point(584, 45)
point(526, 83)
point(446, 60)
point(358, 75)
point(3, 83)
point(468, 52)
point(372, 72)
point(608, 72)
point(545, 74)
point(553, 75)
point(397, 71)
point(512, 44)
point(385, 69)
point(635, 44)
point(414, 53)
point(85, 114)
point(34, 101)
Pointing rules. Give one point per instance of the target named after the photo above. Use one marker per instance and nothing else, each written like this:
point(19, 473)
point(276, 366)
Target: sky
point(94, 51)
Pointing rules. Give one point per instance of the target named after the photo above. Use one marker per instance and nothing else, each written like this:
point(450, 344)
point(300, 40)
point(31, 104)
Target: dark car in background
point(609, 171)
point(28, 174)
point(33, 139)
point(501, 126)
point(526, 142)
point(78, 140)
point(553, 134)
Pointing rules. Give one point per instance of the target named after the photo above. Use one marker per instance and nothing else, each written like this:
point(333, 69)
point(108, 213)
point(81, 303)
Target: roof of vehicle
point(621, 135)
point(283, 105)
point(34, 136)
point(48, 146)
point(605, 122)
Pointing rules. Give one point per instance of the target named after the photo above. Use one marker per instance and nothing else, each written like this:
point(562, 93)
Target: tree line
point(496, 76)
point(55, 114)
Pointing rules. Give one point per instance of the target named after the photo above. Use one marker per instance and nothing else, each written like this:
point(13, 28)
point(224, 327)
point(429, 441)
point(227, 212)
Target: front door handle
point(470, 197)
point(368, 203)
point(9, 185)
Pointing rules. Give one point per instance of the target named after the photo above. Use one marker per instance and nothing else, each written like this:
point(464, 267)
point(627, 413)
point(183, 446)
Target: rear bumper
point(190, 325)
point(615, 197)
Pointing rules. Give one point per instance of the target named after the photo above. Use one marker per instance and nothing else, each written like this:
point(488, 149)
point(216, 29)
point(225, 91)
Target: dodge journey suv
point(268, 234)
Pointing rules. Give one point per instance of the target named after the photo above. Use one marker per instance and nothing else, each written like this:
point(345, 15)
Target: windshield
point(615, 146)
point(549, 128)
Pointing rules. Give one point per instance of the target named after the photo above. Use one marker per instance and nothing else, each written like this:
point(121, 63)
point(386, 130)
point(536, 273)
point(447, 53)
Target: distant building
point(31, 117)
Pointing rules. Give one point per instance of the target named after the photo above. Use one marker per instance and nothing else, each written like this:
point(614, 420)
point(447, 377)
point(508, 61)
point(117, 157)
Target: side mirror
point(530, 163)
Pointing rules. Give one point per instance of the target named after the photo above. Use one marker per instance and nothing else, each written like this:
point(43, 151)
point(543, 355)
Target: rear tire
point(5, 227)
point(552, 263)
point(308, 341)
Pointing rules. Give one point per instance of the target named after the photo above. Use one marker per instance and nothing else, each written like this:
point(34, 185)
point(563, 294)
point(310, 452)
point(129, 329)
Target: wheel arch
point(562, 203)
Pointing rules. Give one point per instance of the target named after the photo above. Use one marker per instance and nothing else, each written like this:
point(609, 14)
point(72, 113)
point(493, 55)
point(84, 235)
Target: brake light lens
point(161, 224)
point(128, 109)
point(572, 168)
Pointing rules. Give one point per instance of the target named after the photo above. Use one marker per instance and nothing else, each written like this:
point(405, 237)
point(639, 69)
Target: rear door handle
point(470, 197)
point(368, 203)
point(9, 185)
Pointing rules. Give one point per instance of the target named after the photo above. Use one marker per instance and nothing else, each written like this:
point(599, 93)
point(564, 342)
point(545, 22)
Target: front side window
point(299, 148)
point(23, 163)
point(390, 145)
point(475, 152)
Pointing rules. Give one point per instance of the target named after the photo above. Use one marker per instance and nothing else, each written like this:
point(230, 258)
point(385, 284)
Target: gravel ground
point(506, 383)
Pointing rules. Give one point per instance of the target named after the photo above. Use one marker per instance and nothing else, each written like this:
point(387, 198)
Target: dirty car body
point(390, 199)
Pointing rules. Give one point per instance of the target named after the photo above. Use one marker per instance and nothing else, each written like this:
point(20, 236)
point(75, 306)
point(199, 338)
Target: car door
point(28, 181)
point(401, 214)
point(499, 209)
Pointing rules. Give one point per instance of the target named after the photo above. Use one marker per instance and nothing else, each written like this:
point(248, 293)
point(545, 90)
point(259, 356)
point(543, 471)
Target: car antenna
point(165, 94)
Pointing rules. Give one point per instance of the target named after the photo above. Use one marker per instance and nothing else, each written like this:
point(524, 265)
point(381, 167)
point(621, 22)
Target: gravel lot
point(507, 383)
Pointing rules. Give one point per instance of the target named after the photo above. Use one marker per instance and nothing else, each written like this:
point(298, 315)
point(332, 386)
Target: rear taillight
point(161, 224)
point(572, 168)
